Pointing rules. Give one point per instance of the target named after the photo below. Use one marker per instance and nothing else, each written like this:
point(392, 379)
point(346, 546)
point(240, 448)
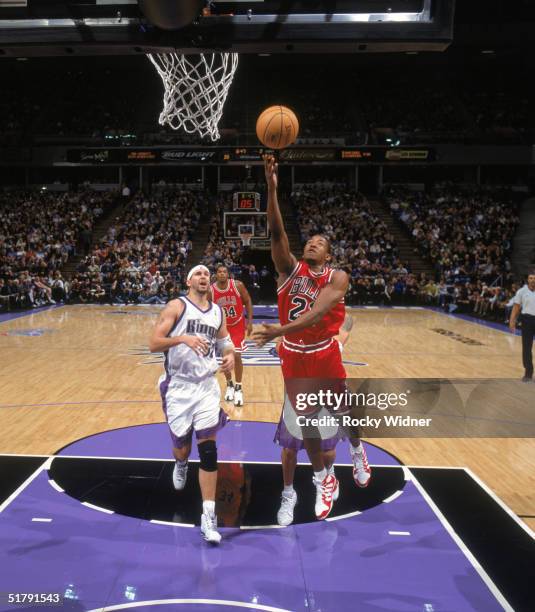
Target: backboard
point(111, 27)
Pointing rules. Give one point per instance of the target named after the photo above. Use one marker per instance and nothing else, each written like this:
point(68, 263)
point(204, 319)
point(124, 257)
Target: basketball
point(277, 127)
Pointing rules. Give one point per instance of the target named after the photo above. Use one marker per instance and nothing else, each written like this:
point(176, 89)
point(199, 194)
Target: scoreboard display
point(246, 200)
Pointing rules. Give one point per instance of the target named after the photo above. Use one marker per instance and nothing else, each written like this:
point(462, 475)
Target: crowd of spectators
point(142, 257)
point(39, 232)
point(446, 105)
point(498, 103)
point(467, 235)
point(361, 243)
point(40, 96)
point(408, 104)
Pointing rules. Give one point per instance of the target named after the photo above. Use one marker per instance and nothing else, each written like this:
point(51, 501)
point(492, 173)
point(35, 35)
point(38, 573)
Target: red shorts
point(302, 362)
point(237, 335)
point(311, 370)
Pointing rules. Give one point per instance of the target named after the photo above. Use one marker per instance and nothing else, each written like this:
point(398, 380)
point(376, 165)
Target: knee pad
point(208, 455)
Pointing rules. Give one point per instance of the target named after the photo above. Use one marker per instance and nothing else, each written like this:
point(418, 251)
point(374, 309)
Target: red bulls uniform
point(231, 302)
point(311, 352)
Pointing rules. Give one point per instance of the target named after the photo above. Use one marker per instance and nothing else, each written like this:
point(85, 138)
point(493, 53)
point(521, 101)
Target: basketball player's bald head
point(317, 250)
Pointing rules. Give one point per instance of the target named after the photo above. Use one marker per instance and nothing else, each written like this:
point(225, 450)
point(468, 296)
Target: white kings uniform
point(189, 389)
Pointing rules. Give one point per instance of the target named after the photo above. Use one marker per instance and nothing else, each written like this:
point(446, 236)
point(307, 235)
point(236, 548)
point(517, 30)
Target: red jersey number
point(230, 311)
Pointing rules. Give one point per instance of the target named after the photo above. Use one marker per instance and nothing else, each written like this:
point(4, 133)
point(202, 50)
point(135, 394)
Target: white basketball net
point(196, 88)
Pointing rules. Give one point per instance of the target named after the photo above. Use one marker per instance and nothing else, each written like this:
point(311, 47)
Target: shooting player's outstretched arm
point(283, 259)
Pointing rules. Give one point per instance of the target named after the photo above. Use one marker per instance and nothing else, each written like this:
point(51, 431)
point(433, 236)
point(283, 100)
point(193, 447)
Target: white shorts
point(191, 406)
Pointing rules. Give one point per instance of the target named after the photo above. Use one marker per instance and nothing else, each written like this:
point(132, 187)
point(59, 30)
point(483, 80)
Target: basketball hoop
point(246, 239)
point(196, 88)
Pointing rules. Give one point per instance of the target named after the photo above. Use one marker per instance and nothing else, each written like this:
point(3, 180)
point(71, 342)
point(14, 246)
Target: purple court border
point(238, 440)
point(465, 317)
point(11, 316)
point(265, 310)
point(398, 555)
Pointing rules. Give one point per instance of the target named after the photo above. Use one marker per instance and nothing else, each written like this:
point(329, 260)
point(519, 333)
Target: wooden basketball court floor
point(73, 372)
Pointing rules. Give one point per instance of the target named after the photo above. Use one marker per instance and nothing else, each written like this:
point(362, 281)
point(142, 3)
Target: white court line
point(93, 507)
point(211, 602)
point(55, 485)
point(343, 516)
point(501, 503)
point(28, 480)
point(399, 533)
point(262, 527)
point(41, 520)
point(392, 497)
point(467, 553)
point(167, 460)
point(170, 524)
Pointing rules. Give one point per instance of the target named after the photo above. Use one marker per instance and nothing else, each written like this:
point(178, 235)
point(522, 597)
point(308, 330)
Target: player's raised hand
point(199, 345)
point(227, 363)
point(271, 168)
point(268, 333)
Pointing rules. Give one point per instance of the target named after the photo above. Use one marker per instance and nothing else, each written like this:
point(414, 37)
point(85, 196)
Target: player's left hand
point(227, 363)
point(267, 334)
point(249, 329)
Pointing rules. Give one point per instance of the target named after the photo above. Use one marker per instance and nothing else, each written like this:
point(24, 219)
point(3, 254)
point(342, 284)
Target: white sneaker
point(238, 397)
point(209, 528)
point(285, 515)
point(361, 469)
point(229, 393)
point(336, 492)
point(324, 496)
point(180, 475)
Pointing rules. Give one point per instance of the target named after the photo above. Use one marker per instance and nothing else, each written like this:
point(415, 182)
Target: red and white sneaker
point(336, 492)
point(325, 491)
point(361, 468)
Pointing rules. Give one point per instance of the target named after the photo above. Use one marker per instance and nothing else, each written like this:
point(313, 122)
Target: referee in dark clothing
point(524, 302)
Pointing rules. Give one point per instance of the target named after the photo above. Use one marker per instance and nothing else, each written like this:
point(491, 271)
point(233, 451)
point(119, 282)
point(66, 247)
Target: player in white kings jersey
point(188, 332)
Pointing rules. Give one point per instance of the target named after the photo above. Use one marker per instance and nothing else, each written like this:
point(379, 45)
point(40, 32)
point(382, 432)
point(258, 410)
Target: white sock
point(320, 476)
point(356, 449)
point(330, 469)
point(288, 491)
point(181, 463)
point(208, 507)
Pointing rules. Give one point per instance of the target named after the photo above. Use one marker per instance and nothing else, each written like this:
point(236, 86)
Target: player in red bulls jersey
point(234, 298)
point(311, 311)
